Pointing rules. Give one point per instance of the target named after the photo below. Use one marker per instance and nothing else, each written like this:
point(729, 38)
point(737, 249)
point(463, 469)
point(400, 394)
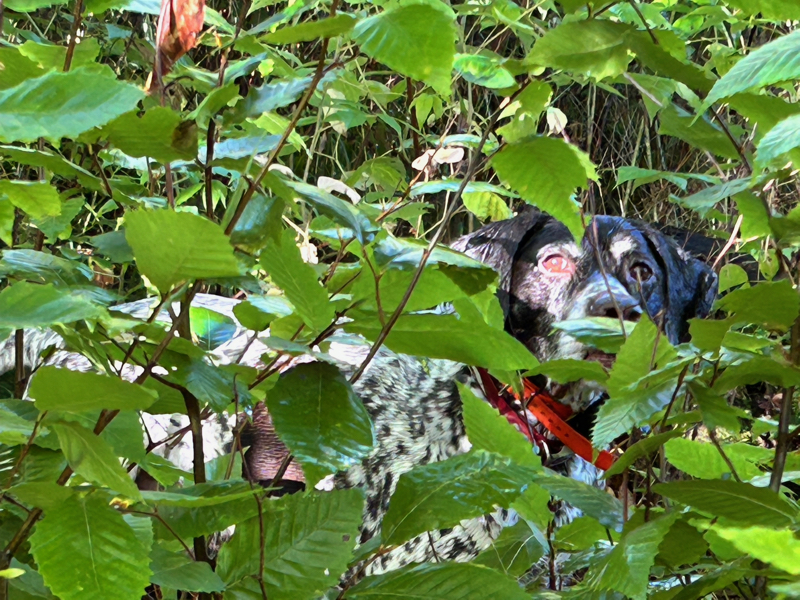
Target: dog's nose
point(611, 299)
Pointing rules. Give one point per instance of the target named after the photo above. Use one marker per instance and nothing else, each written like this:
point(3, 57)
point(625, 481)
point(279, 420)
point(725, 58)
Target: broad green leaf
point(244, 147)
point(483, 70)
point(486, 205)
point(778, 10)
point(36, 198)
point(211, 327)
point(772, 63)
point(114, 245)
point(272, 96)
point(736, 502)
point(707, 198)
point(260, 222)
point(513, 552)
point(318, 416)
point(41, 267)
point(489, 430)
point(715, 410)
point(201, 495)
point(779, 140)
point(30, 305)
point(215, 386)
point(71, 391)
point(93, 459)
point(560, 170)
point(14, 430)
point(6, 221)
point(568, 369)
point(627, 567)
point(257, 312)
point(308, 544)
point(452, 185)
point(158, 134)
point(298, 281)
point(85, 551)
point(635, 393)
point(59, 105)
point(754, 369)
point(699, 133)
point(593, 48)
point(17, 67)
point(441, 494)
point(580, 534)
point(780, 547)
point(592, 501)
point(311, 30)
point(337, 209)
point(641, 449)
point(439, 581)
point(682, 545)
point(704, 461)
point(177, 571)
point(602, 333)
point(386, 36)
point(51, 56)
point(445, 336)
point(165, 244)
point(773, 305)
point(661, 62)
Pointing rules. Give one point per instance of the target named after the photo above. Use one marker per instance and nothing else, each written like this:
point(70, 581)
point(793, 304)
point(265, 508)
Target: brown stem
point(413, 116)
point(73, 34)
point(209, 174)
point(787, 404)
point(19, 363)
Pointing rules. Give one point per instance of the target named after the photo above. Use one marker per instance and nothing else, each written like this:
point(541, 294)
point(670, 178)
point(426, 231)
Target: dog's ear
point(691, 285)
point(498, 245)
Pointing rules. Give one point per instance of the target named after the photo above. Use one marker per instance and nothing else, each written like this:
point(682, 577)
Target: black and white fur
point(415, 406)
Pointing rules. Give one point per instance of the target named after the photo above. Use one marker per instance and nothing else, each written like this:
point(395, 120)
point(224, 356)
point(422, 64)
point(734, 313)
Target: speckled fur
point(414, 404)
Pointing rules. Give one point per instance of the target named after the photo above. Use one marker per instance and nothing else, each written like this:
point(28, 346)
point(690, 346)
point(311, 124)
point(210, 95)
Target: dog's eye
point(556, 264)
point(641, 271)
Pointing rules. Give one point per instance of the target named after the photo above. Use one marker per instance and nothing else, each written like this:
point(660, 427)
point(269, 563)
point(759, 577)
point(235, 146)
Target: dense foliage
point(311, 153)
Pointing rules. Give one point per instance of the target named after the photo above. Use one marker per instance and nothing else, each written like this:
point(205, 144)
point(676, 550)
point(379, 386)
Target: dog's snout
point(610, 299)
point(630, 312)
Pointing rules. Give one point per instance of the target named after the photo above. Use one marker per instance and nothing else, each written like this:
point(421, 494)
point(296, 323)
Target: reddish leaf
point(179, 24)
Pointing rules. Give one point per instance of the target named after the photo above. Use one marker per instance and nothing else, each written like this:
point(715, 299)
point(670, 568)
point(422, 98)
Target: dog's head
point(622, 266)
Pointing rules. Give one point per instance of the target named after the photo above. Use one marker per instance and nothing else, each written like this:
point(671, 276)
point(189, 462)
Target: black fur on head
point(622, 265)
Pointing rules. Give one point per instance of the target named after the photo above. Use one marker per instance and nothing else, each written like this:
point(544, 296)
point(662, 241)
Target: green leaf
point(60, 105)
point(489, 430)
point(165, 245)
point(777, 10)
point(6, 221)
point(319, 417)
point(513, 552)
point(311, 30)
point(772, 63)
point(298, 281)
point(308, 544)
point(37, 198)
point(569, 369)
point(17, 67)
point(257, 312)
point(705, 199)
point(592, 501)
point(779, 140)
point(560, 169)
point(439, 581)
point(158, 134)
point(704, 461)
point(641, 449)
point(41, 267)
point(72, 391)
point(114, 245)
point(14, 430)
point(780, 548)
point(446, 336)
point(486, 205)
point(441, 494)
point(30, 305)
point(385, 37)
point(635, 393)
point(260, 222)
point(93, 459)
point(774, 304)
point(736, 502)
point(682, 545)
point(594, 48)
point(211, 327)
point(715, 409)
point(177, 571)
point(93, 536)
point(627, 567)
point(200, 495)
point(698, 132)
point(755, 369)
point(602, 333)
point(486, 71)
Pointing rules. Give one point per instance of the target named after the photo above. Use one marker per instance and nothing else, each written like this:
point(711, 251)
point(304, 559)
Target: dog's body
point(621, 269)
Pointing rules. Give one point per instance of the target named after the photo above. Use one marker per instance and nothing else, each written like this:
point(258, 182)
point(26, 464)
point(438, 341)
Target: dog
point(621, 269)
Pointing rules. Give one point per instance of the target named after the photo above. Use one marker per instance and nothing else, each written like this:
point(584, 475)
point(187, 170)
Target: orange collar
point(549, 413)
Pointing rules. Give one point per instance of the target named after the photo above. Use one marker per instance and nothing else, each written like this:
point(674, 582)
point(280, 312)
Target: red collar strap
point(549, 413)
